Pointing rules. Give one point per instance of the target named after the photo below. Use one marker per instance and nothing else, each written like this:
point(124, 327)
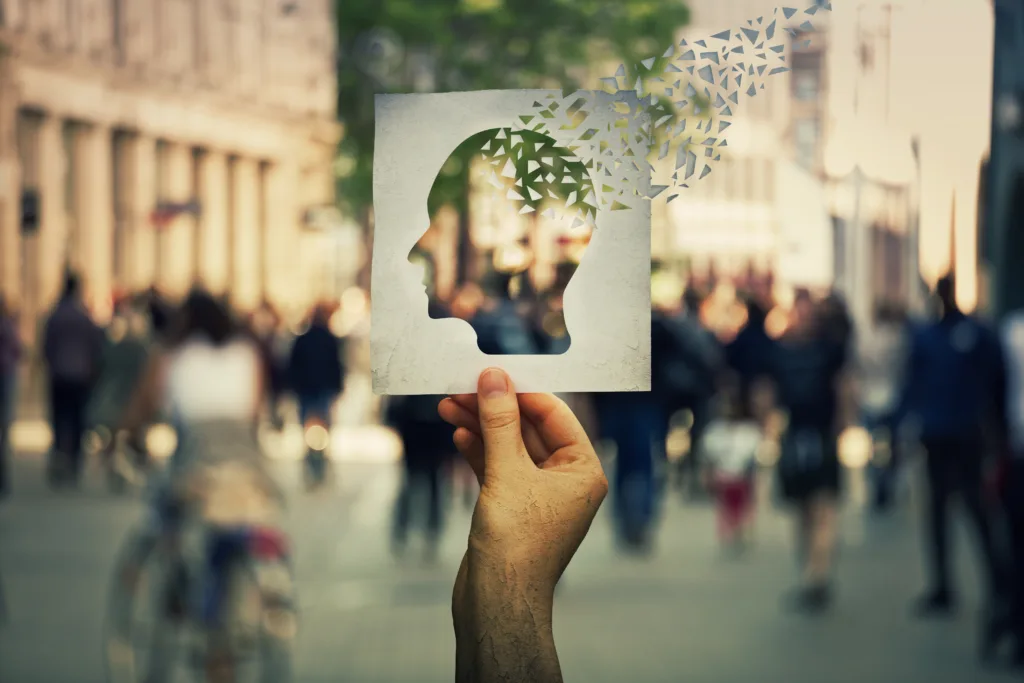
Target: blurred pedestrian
point(10, 355)
point(316, 373)
point(805, 378)
point(73, 348)
point(883, 359)
point(749, 353)
point(688, 361)
point(500, 329)
point(426, 449)
point(731, 445)
point(160, 312)
point(953, 378)
point(633, 422)
point(266, 327)
point(126, 354)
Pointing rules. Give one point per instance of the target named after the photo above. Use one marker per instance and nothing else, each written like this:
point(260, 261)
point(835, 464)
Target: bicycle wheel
point(259, 623)
point(146, 614)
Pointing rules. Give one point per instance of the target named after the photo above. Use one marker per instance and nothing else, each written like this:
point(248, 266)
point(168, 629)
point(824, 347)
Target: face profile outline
point(538, 178)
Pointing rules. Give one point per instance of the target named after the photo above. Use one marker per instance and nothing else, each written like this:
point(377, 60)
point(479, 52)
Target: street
point(690, 614)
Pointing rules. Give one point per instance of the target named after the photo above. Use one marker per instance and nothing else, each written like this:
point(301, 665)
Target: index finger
point(555, 422)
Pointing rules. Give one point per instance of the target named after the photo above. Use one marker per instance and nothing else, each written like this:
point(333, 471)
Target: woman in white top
point(209, 380)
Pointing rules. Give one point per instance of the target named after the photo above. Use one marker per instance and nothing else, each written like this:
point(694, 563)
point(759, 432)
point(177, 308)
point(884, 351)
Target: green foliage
point(539, 172)
point(478, 45)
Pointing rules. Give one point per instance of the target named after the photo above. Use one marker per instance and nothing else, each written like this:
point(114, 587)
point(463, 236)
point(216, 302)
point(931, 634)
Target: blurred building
point(743, 221)
point(119, 114)
point(870, 165)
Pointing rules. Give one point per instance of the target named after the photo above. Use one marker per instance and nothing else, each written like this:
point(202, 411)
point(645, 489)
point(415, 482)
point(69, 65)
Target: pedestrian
point(632, 421)
point(882, 363)
point(731, 446)
point(127, 352)
point(500, 329)
point(748, 354)
point(10, 355)
point(316, 373)
point(266, 328)
point(73, 349)
point(954, 375)
point(689, 360)
point(160, 312)
point(426, 449)
point(805, 379)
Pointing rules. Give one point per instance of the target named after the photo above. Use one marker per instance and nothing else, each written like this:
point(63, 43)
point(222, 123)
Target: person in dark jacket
point(426, 447)
point(954, 376)
point(315, 370)
point(73, 347)
point(749, 354)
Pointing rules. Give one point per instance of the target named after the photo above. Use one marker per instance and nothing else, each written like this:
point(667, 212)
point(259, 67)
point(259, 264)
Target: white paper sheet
point(607, 303)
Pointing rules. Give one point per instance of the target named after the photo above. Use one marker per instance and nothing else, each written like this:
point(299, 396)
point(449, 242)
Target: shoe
point(935, 604)
point(813, 599)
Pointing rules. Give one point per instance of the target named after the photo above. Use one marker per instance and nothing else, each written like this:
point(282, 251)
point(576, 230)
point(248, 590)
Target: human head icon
point(543, 210)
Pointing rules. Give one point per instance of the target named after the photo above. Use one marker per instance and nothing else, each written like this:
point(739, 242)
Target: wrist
point(501, 572)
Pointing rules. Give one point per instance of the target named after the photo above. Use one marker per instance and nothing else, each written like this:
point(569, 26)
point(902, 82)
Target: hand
point(541, 482)
point(541, 485)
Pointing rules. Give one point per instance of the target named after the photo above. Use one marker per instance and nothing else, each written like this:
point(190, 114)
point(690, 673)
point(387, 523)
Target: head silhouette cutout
point(530, 207)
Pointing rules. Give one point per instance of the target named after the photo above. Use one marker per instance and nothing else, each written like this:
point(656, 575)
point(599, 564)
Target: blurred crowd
point(772, 387)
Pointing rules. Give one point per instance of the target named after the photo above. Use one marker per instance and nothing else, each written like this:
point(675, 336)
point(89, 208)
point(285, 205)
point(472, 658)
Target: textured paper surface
point(607, 303)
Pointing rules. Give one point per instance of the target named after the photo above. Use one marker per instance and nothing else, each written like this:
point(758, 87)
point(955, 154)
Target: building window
point(806, 138)
point(805, 85)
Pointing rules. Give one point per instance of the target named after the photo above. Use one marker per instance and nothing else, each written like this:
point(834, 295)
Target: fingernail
point(493, 384)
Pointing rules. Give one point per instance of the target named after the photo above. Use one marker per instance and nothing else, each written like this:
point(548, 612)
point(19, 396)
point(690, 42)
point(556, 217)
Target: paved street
point(689, 615)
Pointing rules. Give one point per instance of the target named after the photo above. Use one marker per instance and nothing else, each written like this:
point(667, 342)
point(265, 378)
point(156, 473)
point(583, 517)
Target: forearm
point(502, 626)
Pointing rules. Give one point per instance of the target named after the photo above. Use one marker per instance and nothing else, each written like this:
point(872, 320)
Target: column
point(49, 177)
point(282, 236)
point(215, 238)
point(10, 181)
point(140, 197)
point(9, 176)
point(94, 176)
point(178, 269)
point(245, 289)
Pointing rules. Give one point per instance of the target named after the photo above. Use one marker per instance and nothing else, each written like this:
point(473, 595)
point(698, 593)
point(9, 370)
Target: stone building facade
point(110, 109)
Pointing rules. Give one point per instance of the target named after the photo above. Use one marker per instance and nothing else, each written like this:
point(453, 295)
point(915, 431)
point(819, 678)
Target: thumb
point(499, 419)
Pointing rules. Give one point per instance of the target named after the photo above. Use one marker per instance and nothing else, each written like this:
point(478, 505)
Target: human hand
point(541, 482)
point(541, 485)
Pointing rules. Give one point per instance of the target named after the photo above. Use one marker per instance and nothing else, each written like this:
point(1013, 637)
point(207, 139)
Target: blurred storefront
point(168, 144)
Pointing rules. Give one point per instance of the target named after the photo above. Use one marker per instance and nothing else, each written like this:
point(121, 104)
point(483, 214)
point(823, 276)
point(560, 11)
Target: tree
point(394, 46)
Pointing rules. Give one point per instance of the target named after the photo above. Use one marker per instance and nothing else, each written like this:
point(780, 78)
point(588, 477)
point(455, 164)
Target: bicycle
point(225, 593)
